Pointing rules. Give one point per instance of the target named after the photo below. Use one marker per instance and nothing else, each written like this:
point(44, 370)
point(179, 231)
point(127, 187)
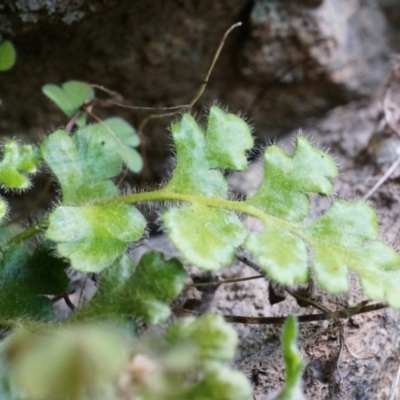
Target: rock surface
point(291, 60)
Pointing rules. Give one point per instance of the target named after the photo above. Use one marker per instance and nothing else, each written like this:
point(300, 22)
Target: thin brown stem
point(344, 313)
point(249, 278)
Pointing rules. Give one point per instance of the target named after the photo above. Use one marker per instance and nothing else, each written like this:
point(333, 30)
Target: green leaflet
point(293, 362)
point(118, 137)
point(289, 179)
point(7, 54)
point(280, 253)
point(226, 139)
point(223, 145)
point(82, 165)
point(207, 237)
point(91, 236)
point(94, 236)
point(70, 97)
point(18, 160)
point(345, 236)
point(25, 279)
point(140, 292)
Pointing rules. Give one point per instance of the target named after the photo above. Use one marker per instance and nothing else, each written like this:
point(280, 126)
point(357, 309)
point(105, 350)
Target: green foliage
point(82, 166)
point(139, 292)
point(94, 236)
point(208, 237)
point(7, 54)
point(70, 97)
point(93, 225)
point(26, 278)
point(208, 232)
point(294, 364)
point(289, 179)
point(119, 137)
point(114, 135)
point(199, 153)
point(73, 362)
point(18, 160)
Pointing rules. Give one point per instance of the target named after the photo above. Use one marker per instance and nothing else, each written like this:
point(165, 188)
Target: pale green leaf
point(82, 165)
point(227, 139)
point(118, 138)
point(345, 224)
point(7, 55)
point(192, 174)
point(70, 97)
point(94, 236)
point(198, 153)
point(206, 237)
point(281, 254)
point(289, 179)
point(124, 131)
point(18, 161)
point(345, 237)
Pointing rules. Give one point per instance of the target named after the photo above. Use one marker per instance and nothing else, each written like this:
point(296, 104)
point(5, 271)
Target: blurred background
point(290, 62)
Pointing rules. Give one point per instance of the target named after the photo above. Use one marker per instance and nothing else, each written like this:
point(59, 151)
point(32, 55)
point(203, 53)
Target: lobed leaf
point(280, 253)
point(82, 165)
point(94, 236)
point(70, 97)
point(345, 236)
point(25, 279)
point(289, 179)
point(227, 138)
point(140, 292)
point(198, 153)
point(207, 237)
point(17, 162)
point(118, 137)
point(208, 232)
